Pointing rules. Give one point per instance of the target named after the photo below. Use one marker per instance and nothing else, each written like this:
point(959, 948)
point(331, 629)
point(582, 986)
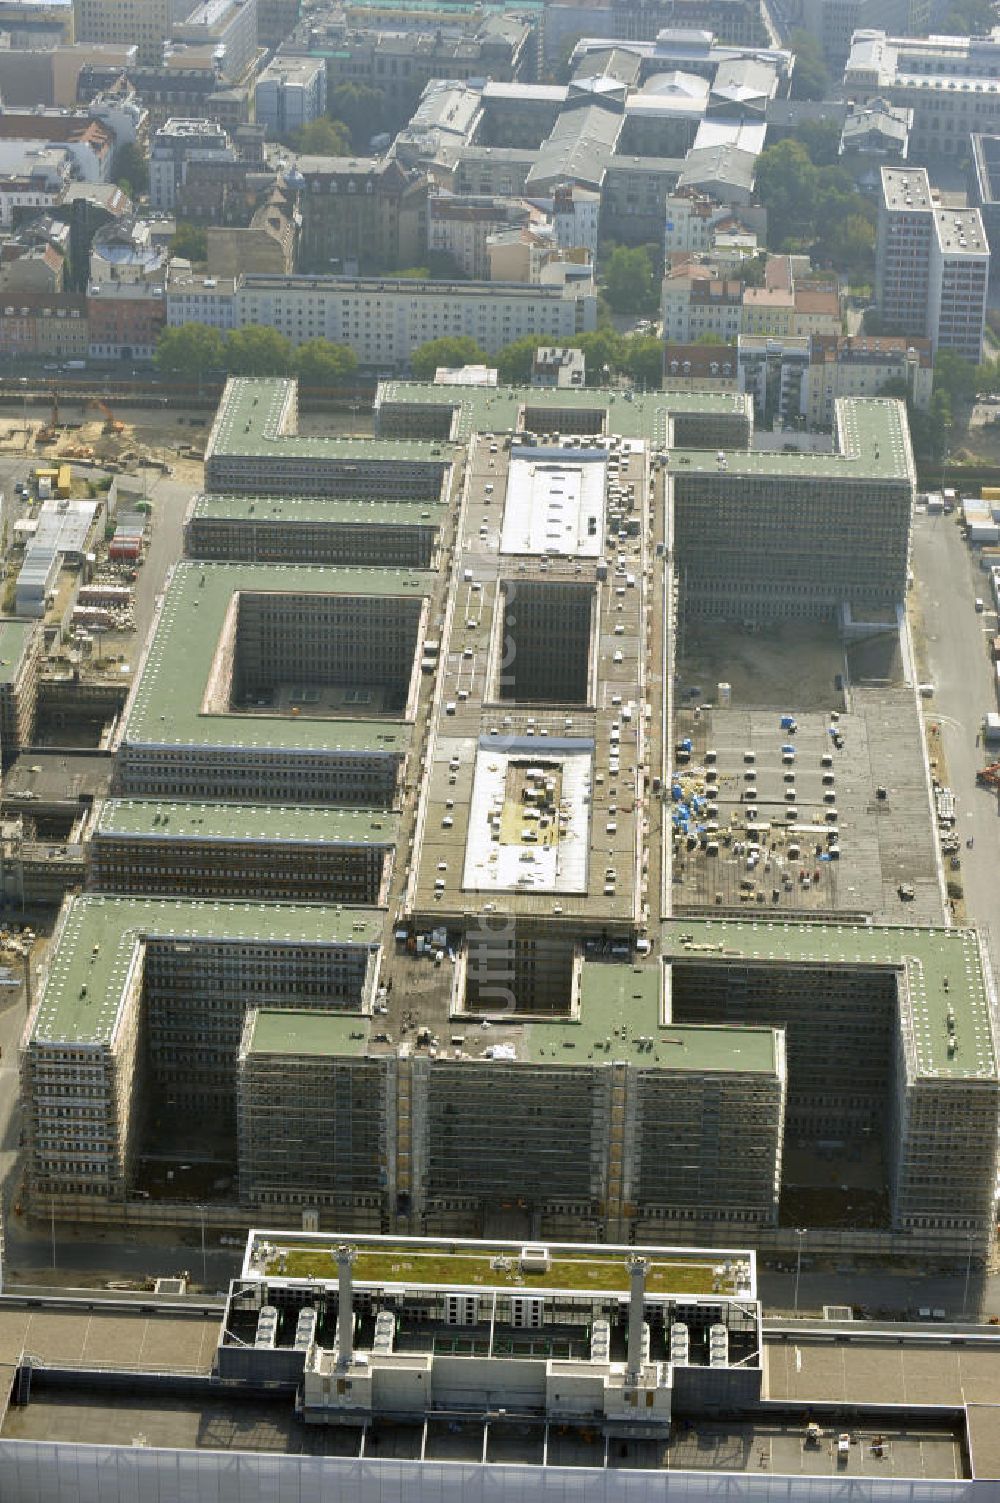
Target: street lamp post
point(800, 1232)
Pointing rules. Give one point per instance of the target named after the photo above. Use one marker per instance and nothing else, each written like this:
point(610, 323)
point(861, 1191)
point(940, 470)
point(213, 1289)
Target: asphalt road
point(957, 662)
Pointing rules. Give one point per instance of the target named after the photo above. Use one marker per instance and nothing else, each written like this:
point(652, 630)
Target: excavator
point(50, 432)
point(989, 777)
point(111, 423)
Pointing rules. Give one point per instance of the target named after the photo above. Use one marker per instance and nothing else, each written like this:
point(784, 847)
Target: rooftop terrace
point(576, 1268)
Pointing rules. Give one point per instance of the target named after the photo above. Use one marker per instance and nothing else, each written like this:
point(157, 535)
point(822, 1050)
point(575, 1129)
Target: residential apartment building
point(290, 93)
point(360, 213)
point(862, 366)
point(951, 84)
point(460, 225)
point(384, 321)
point(931, 265)
point(34, 324)
point(32, 179)
point(174, 146)
point(695, 303)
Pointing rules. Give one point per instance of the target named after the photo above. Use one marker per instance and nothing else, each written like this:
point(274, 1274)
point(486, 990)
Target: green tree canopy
point(810, 79)
point(644, 360)
point(320, 362)
point(630, 281)
point(955, 377)
point(821, 139)
point(131, 169)
point(191, 349)
point(324, 138)
point(514, 360)
point(787, 186)
point(974, 18)
point(602, 348)
point(452, 350)
point(368, 111)
point(190, 242)
point(258, 351)
point(850, 242)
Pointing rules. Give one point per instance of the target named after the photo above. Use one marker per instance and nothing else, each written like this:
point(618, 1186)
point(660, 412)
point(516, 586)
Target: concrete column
point(637, 1269)
point(345, 1306)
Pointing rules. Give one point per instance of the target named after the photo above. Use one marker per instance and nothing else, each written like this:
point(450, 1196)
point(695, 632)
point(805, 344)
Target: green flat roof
point(319, 1033)
point(491, 409)
point(875, 440)
point(14, 634)
point(165, 709)
point(875, 445)
point(292, 824)
point(928, 957)
point(376, 511)
point(95, 950)
point(247, 426)
point(413, 1261)
point(621, 1003)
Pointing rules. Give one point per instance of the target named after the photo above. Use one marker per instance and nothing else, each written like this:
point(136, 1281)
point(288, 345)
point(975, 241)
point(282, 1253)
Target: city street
point(956, 660)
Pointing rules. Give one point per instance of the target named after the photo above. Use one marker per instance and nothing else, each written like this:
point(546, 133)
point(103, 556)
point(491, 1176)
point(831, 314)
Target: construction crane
point(989, 777)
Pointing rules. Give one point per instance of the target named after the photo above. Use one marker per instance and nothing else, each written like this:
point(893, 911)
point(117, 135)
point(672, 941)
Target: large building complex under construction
point(415, 882)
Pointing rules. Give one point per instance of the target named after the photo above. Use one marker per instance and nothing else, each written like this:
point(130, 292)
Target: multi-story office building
point(313, 530)
point(245, 851)
point(290, 93)
point(223, 31)
point(950, 83)
point(287, 684)
point(932, 265)
point(144, 24)
point(20, 662)
point(655, 1075)
point(123, 1011)
point(834, 23)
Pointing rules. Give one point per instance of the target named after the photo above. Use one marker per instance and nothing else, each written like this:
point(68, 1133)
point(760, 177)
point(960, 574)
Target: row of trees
point(640, 357)
point(197, 350)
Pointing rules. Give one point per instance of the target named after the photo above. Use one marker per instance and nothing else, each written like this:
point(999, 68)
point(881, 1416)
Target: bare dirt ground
point(787, 667)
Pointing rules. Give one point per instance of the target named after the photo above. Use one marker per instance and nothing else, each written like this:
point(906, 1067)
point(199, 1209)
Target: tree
point(954, 377)
point(324, 138)
point(369, 112)
point(258, 351)
point(644, 360)
point(452, 350)
point(515, 360)
point(629, 281)
point(604, 352)
point(821, 139)
point(189, 242)
point(191, 349)
point(810, 79)
point(974, 18)
point(787, 185)
point(709, 337)
point(849, 243)
point(131, 170)
point(320, 362)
